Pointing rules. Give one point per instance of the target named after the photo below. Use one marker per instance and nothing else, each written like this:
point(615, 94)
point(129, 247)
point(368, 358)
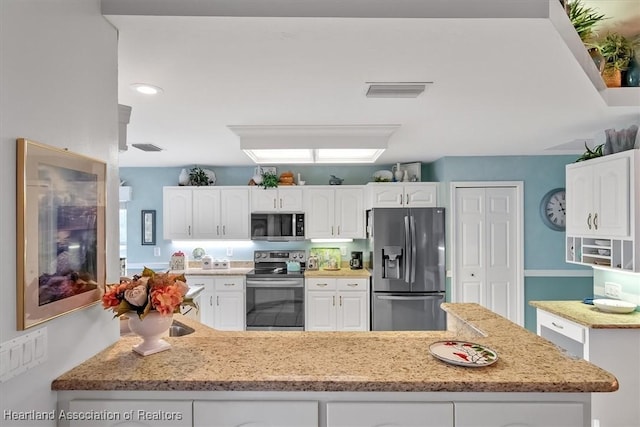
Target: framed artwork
point(60, 232)
point(148, 227)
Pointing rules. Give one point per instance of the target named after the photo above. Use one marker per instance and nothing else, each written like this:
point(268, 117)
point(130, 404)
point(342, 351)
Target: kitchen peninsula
point(328, 378)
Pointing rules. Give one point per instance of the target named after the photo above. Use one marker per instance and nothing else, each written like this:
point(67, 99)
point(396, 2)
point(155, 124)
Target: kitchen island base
point(323, 409)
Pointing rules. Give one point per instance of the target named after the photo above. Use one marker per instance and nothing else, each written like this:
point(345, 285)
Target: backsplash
point(629, 283)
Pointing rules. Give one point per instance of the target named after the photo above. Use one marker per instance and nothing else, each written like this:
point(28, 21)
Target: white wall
point(58, 86)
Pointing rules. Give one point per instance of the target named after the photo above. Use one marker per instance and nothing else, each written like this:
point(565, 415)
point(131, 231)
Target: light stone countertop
point(589, 315)
point(341, 361)
point(343, 272)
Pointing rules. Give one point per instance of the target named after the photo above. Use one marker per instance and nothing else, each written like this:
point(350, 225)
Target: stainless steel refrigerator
point(407, 253)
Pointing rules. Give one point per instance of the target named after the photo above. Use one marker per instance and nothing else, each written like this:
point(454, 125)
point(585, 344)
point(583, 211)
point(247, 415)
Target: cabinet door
point(234, 213)
point(264, 200)
point(206, 213)
point(207, 302)
point(483, 414)
point(579, 191)
point(320, 313)
point(229, 311)
point(349, 211)
point(320, 213)
point(353, 313)
point(388, 414)
point(611, 198)
point(255, 414)
point(421, 195)
point(290, 199)
point(387, 196)
point(177, 209)
point(142, 413)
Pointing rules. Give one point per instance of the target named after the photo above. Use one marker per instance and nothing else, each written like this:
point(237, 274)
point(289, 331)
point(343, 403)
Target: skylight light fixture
point(314, 143)
point(147, 147)
point(395, 89)
point(146, 89)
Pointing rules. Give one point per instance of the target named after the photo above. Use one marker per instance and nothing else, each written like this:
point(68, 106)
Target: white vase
point(397, 172)
point(150, 329)
point(183, 178)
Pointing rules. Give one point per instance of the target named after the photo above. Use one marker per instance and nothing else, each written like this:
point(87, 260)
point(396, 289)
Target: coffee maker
point(356, 260)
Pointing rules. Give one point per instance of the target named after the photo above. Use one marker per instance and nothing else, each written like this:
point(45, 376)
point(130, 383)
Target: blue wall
point(544, 249)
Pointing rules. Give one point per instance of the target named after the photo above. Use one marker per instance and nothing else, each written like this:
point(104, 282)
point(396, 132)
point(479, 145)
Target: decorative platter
point(198, 253)
point(614, 306)
point(463, 353)
point(602, 242)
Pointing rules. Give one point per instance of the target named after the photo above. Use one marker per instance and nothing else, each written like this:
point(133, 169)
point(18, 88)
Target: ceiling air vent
point(147, 147)
point(396, 90)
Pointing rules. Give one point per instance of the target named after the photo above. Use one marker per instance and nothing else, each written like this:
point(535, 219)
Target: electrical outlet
point(156, 251)
point(229, 251)
point(343, 251)
point(612, 290)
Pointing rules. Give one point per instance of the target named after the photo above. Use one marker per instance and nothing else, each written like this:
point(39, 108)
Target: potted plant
point(617, 51)
point(584, 19)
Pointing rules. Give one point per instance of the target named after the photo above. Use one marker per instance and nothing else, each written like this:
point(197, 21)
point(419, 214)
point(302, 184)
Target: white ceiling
point(505, 86)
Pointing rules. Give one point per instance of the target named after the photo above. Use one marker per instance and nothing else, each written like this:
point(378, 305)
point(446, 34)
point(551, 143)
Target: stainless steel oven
point(275, 293)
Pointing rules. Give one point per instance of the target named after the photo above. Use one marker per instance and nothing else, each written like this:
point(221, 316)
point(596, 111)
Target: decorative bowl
point(614, 306)
point(383, 176)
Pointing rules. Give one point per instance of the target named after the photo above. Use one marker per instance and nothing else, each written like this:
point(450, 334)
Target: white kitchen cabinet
point(617, 350)
point(603, 207)
point(334, 212)
point(281, 199)
point(484, 414)
point(205, 213)
point(340, 304)
point(229, 310)
point(402, 194)
point(128, 413)
point(255, 413)
point(390, 414)
point(222, 302)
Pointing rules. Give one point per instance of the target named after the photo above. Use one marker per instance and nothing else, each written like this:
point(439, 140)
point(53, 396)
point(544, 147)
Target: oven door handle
point(274, 284)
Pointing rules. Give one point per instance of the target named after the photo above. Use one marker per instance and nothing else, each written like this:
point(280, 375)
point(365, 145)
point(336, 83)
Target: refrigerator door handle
point(412, 225)
point(409, 298)
point(407, 255)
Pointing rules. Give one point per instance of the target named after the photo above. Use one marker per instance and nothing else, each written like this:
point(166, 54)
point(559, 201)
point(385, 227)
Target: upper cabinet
point(205, 213)
point(603, 210)
point(402, 194)
point(283, 199)
point(334, 212)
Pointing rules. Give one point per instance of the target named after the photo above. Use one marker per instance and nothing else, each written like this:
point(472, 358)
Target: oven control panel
point(279, 256)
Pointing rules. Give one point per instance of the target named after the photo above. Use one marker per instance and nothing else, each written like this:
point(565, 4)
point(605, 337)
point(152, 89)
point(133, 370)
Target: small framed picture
point(148, 227)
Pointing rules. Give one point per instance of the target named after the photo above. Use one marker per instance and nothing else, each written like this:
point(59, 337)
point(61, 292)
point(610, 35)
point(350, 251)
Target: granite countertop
point(589, 315)
point(341, 361)
point(343, 272)
point(233, 271)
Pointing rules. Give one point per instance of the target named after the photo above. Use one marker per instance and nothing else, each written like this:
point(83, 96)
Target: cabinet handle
point(224, 230)
point(340, 300)
point(218, 230)
point(211, 301)
point(589, 221)
point(322, 285)
point(352, 284)
point(217, 299)
point(229, 284)
point(332, 230)
point(401, 198)
point(189, 231)
point(338, 230)
point(406, 198)
point(595, 221)
point(334, 300)
point(274, 203)
point(557, 326)
point(280, 203)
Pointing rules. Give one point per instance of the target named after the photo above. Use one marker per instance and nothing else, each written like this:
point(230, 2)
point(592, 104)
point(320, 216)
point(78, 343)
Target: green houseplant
point(584, 19)
point(617, 51)
point(269, 180)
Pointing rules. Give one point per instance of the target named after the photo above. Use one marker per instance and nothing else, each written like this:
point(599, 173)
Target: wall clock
point(553, 209)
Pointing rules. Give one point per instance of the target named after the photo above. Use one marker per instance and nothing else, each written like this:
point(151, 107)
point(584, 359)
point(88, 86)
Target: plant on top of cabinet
point(617, 51)
point(584, 19)
point(269, 180)
point(201, 177)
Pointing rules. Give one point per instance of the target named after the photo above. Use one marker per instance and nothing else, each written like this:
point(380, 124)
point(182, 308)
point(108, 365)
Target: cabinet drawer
point(229, 283)
point(562, 326)
point(207, 281)
point(353, 284)
point(320, 284)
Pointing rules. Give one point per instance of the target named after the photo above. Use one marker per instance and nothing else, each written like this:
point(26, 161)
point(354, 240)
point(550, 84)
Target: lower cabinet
point(255, 414)
point(222, 302)
point(337, 304)
point(127, 413)
point(388, 414)
point(484, 414)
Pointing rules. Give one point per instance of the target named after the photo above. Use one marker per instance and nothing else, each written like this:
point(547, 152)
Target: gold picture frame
point(60, 232)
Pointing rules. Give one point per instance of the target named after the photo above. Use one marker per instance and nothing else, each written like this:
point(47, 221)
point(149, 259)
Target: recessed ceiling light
point(146, 89)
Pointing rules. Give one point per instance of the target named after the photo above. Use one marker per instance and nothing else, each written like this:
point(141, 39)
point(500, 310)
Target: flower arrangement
point(162, 292)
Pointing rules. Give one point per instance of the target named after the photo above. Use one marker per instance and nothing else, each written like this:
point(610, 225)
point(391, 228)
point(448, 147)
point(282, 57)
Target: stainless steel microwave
point(279, 227)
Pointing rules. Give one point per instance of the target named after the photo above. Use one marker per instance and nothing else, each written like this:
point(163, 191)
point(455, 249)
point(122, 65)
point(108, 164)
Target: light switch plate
point(612, 290)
